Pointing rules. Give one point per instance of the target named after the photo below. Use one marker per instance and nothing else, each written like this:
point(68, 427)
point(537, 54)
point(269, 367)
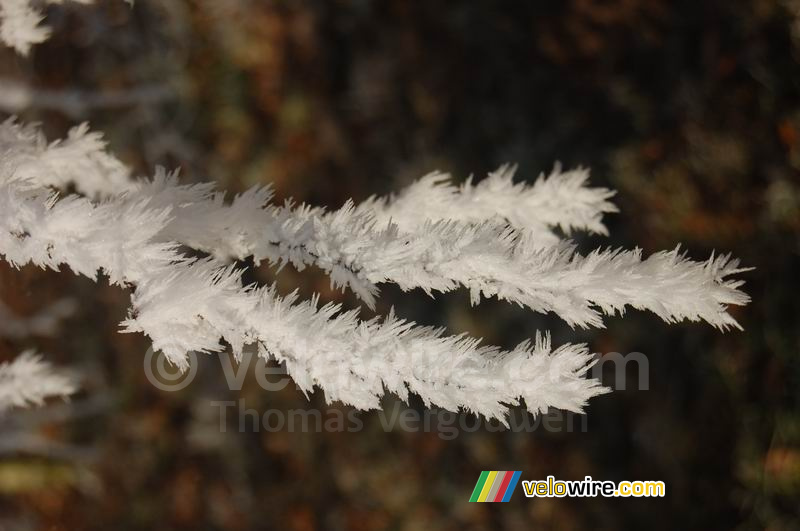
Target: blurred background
point(691, 110)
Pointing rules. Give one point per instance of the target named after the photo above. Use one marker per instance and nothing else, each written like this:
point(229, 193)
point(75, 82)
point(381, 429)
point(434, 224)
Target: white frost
point(134, 234)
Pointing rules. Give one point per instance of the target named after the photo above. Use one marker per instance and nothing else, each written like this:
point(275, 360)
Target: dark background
point(691, 110)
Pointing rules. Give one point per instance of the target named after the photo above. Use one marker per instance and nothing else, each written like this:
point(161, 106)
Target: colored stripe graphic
point(498, 480)
point(512, 485)
point(495, 486)
point(487, 486)
point(479, 486)
point(503, 487)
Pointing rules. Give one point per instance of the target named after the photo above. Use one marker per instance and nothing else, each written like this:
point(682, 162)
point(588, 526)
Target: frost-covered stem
point(359, 248)
point(492, 259)
point(29, 381)
point(20, 24)
point(16, 97)
point(561, 199)
point(80, 159)
point(185, 305)
point(489, 258)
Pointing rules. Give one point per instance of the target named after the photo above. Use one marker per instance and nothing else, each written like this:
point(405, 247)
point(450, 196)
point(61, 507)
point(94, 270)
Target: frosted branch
point(185, 305)
point(134, 235)
point(359, 249)
point(80, 159)
point(16, 97)
point(20, 24)
point(491, 259)
point(29, 381)
point(561, 199)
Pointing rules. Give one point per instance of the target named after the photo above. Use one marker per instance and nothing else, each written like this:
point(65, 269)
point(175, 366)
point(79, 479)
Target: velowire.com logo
point(495, 486)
